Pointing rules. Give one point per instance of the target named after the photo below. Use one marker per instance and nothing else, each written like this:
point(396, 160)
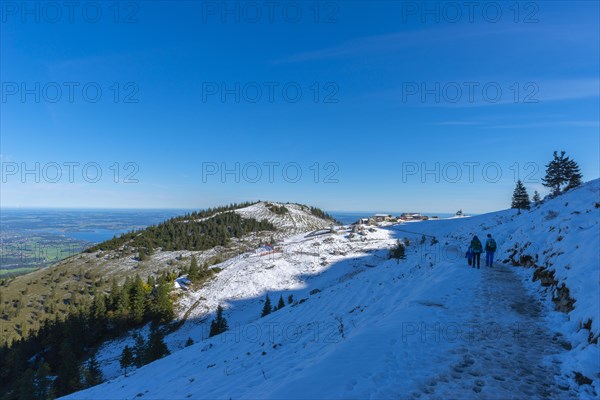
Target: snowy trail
point(508, 354)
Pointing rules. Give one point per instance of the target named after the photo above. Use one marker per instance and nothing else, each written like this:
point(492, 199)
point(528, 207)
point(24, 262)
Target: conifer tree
point(126, 359)
point(139, 351)
point(142, 255)
point(219, 324)
point(398, 252)
point(151, 281)
point(123, 306)
point(267, 307)
point(137, 301)
point(113, 297)
point(573, 174)
point(156, 348)
point(162, 305)
point(194, 271)
point(204, 271)
point(93, 374)
point(67, 379)
point(25, 384)
point(562, 174)
point(43, 382)
point(520, 199)
point(149, 249)
point(281, 303)
point(555, 174)
point(536, 197)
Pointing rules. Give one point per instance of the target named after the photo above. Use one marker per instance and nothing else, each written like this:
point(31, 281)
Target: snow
point(364, 326)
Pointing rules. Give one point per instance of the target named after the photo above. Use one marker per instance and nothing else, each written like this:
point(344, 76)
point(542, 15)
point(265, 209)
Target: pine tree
point(162, 307)
point(290, 299)
point(194, 271)
point(562, 174)
point(398, 252)
point(126, 359)
point(520, 199)
point(204, 271)
point(25, 384)
point(43, 387)
point(150, 249)
point(281, 303)
point(98, 311)
point(267, 307)
point(93, 374)
point(536, 197)
point(156, 348)
point(142, 255)
point(189, 342)
point(113, 297)
point(555, 175)
point(572, 174)
point(122, 308)
point(137, 301)
point(139, 351)
point(219, 324)
point(67, 379)
point(151, 281)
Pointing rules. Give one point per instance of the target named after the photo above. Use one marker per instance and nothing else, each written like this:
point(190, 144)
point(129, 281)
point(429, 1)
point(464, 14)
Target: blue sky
point(425, 106)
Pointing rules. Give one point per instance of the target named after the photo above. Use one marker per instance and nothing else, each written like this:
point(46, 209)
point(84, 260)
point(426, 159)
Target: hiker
point(490, 249)
point(476, 248)
point(469, 256)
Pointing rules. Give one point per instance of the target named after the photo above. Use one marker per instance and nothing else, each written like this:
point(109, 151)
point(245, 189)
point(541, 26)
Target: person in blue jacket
point(490, 249)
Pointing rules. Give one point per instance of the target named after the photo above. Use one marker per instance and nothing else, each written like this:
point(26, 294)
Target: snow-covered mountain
point(297, 219)
point(360, 325)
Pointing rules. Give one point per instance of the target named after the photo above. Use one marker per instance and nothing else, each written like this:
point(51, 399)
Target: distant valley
point(35, 238)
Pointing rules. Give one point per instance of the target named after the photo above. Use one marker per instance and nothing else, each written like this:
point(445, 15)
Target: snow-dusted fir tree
point(219, 324)
point(520, 199)
point(281, 303)
point(398, 251)
point(92, 373)
point(126, 359)
point(536, 197)
point(572, 174)
point(562, 174)
point(194, 270)
point(267, 308)
point(139, 351)
point(157, 348)
point(555, 174)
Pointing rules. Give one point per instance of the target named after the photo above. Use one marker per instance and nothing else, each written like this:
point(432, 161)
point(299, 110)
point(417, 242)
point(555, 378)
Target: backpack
point(491, 245)
point(476, 246)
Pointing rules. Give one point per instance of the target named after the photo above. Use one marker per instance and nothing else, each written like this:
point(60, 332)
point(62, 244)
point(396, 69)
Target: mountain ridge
point(26, 299)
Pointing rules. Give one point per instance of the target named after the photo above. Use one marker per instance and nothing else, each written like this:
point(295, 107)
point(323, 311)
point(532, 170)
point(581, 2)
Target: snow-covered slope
point(363, 326)
point(298, 218)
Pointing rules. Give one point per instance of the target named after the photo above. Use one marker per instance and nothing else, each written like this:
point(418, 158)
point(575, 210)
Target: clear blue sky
point(379, 102)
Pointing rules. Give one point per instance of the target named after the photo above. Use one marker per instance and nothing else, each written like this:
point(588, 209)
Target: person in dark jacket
point(476, 249)
point(490, 249)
